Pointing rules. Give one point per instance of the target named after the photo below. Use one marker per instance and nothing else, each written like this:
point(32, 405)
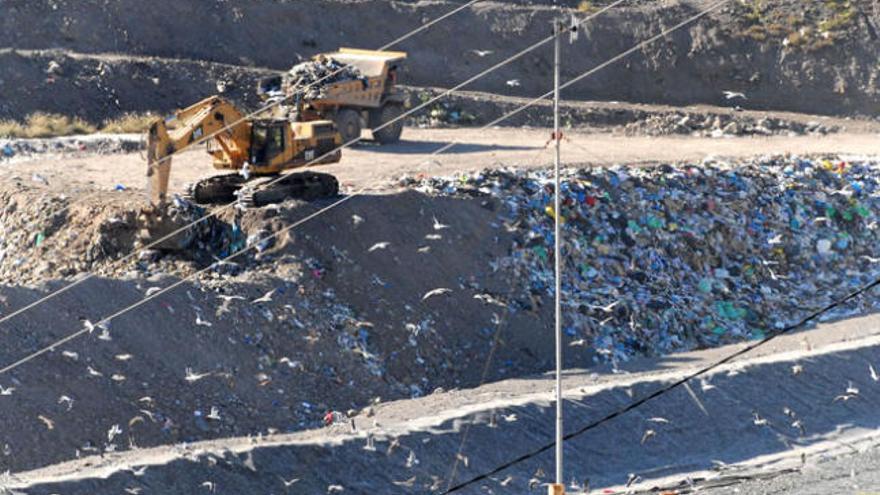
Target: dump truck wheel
point(349, 124)
point(390, 133)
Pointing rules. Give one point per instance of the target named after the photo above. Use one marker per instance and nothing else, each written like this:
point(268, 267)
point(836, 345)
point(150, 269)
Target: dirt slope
point(709, 435)
point(736, 49)
point(345, 325)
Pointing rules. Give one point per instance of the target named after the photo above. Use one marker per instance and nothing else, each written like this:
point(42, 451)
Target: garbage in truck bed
point(311, 78)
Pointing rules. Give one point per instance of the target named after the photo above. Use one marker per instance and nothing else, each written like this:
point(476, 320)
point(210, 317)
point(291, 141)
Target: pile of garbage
point(313, 77)
point(720, 125)
point(672, 258)
point(48, 235)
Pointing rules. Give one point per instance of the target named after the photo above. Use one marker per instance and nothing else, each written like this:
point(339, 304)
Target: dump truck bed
point(374, 65)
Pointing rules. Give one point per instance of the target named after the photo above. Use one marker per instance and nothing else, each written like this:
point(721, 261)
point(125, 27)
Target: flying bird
point(411, 459)
point(705, 386)
point(438, 225)
point(407, 483)
point(513, 83)
point(758, 420)
point(844, 397)
point(152, 290)
point(335, 488)
point(433, 237)
point(436, 292)
point(6, 391)
point(873, 372)
point(230, 298)
point(214, 414)
point(463, 458)
point(267, 297)
point(378, 245)
point(578, 342)
point(113, 432)
point(482, 53)
point(658, 419)
point(50, 425)
point(796, 369)
point(732, 95)
point(202, 323)
point(357, 220)
point(193, 377)
point(90, 327)
point(488, 299)
point(289, 483)
point(851, 389)
point(607, 308)
point(123, 357)
point(138, 472)
point(649, 433)
point(392, 445)
point(66, 400)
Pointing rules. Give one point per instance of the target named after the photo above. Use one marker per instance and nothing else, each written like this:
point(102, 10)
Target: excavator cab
point(268, 141)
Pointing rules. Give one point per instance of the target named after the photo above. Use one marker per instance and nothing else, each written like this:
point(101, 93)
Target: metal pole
point(556, 257)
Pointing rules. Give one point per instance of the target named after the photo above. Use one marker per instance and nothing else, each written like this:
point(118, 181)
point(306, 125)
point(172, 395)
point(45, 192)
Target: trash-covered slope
point(667, 258)
point(398, 294)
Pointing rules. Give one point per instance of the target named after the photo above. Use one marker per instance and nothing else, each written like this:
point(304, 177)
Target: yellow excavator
point(254, 150)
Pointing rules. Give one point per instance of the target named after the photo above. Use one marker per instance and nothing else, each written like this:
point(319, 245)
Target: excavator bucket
point(161, 227)
point(166, 228)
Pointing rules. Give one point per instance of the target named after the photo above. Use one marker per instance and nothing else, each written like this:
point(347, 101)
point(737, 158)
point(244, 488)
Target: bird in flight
point(267, 297)
point(50, 425)
point(436, 292)
point(438, 225)
point(378, 246)
point(406, 483)
point(732, 95)
point(193, 377)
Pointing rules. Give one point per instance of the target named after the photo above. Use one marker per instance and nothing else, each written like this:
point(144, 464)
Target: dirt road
point(369, 165)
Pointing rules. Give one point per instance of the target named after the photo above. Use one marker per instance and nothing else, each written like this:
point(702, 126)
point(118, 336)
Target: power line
point(333, 205)
point(663, 390)
point(269, 106)
point(282, 176)
point(202, 140)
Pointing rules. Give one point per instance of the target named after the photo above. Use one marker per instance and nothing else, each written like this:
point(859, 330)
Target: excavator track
point(215, 189)
point(307, 186)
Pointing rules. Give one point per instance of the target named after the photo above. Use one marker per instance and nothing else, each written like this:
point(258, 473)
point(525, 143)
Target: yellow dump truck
point(356, 89)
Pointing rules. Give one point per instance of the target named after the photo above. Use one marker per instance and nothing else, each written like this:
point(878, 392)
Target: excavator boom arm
point(212, 116)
